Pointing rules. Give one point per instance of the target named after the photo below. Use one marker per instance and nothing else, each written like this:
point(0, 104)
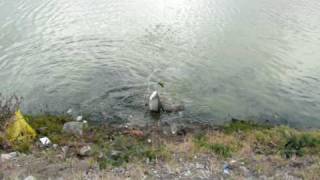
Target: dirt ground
point(52, 163)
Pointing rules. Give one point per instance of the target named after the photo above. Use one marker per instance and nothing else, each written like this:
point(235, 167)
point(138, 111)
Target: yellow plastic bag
point(19, 130)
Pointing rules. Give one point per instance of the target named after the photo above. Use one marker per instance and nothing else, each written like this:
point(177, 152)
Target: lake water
point(221, 58)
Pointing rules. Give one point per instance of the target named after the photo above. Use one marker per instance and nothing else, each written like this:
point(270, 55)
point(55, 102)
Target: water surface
point(221, 58)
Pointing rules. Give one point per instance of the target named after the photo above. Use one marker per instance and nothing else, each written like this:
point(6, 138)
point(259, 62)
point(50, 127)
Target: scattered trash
point(149, 141)
point(8, 156)
point(226, 169)
point(45, 141)
point(79, 118)
point(85, 122)
point(154, 102)
point(55, 146)
point(19, 130)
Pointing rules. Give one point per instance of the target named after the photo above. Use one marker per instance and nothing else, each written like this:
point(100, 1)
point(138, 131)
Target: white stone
point(154, 102)
point(79, 118)
point(69, 111)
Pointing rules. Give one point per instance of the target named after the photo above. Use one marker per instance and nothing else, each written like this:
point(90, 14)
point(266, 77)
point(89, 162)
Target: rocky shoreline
point(238, 150)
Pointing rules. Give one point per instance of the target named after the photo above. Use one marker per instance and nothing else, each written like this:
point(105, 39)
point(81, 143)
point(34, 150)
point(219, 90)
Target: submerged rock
point(73, 127)
point(165, 104)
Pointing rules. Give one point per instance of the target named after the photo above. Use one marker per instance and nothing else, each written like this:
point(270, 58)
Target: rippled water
point(221, 58)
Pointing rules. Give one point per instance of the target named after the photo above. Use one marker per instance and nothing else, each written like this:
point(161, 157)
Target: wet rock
point(73, 127)
point(170, 108)
point(30, 178)
point(154, 102)
point(85, 151)
point(8, 156)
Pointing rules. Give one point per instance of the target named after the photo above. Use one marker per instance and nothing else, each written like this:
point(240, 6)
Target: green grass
point(50, 126)
point(243, 126)
point(222, 150)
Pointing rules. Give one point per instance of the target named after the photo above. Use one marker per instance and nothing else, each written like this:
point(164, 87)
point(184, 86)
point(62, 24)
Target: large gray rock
point(73, 127)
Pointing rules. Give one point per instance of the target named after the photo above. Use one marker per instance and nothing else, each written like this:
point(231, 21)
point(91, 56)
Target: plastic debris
point(45, 141)
point(226, 169)
point(19, 130)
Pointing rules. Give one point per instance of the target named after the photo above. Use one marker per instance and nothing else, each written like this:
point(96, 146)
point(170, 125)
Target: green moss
point(50, 126)
point(22, 146)
point(222, 150)
point(300, 145)
point(124, 149)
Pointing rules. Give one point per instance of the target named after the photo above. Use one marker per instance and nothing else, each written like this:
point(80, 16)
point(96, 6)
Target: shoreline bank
point(240, 149)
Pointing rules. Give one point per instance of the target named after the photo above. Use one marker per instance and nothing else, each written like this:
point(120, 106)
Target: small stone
point(115, 154)
point(245, 171)
point(85, 151)
point(30, 178)
point(55, 146)
point(65, 150)
point(69, 111)
point(8, 156)
point(136, 133)
point(79, 118)
point(73, 128)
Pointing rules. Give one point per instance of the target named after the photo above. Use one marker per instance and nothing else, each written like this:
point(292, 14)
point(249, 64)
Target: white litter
point(45, 141)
